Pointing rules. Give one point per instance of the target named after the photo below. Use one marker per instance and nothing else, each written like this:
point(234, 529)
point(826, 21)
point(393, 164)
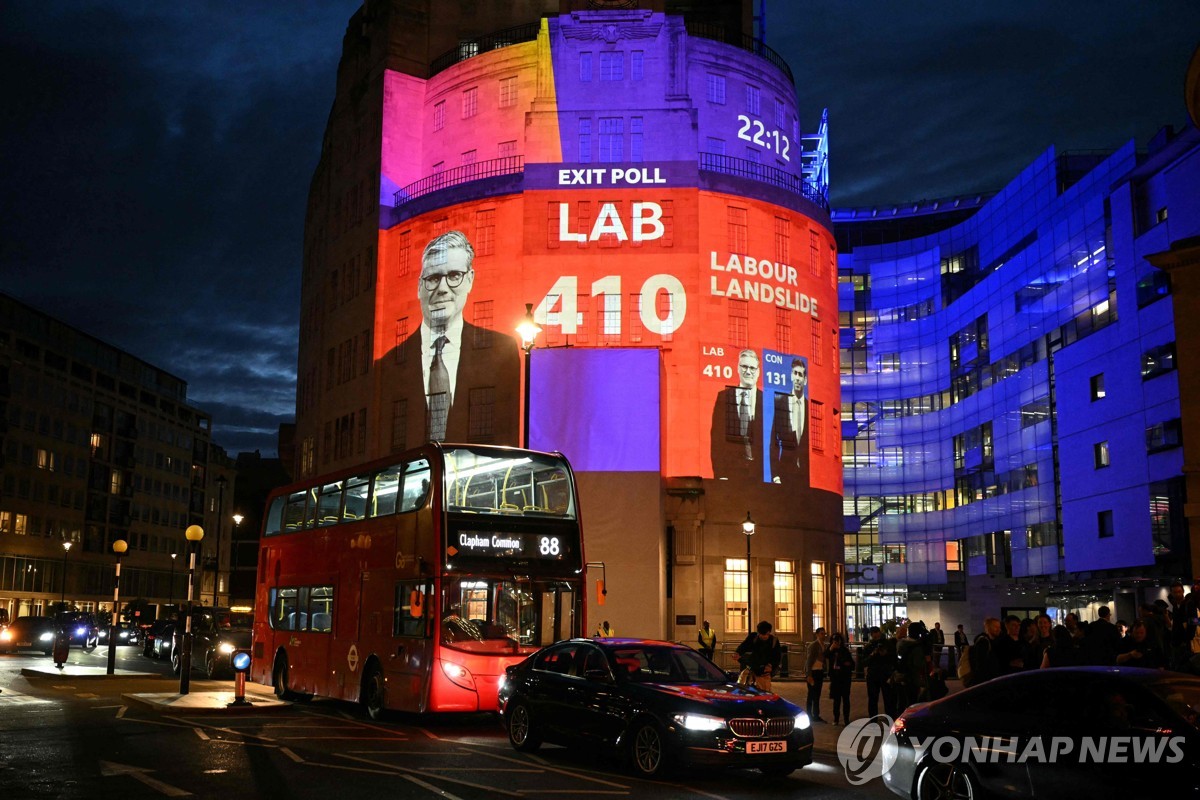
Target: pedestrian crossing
point(8, 697)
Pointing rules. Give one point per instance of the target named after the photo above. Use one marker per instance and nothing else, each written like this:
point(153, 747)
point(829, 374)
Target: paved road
point(72, 736)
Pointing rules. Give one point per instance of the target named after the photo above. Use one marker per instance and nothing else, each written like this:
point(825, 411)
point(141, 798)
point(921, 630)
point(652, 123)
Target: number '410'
point(560, 306)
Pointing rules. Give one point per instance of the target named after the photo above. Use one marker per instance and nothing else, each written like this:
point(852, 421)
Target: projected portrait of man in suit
point(736, 436)
point(789, 434)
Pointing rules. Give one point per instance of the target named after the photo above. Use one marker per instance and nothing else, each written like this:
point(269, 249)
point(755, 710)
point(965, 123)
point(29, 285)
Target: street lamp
point(171, 586)
point(119, 547)
point(221, 481)
point(748, 529)
point(193, 534)
point(235, 541)
point(62, 601)
point(528, 329)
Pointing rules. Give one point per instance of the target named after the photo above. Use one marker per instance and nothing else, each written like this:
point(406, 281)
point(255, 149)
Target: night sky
point(156, 156)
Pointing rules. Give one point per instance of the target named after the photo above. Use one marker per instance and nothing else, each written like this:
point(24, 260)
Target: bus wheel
point(280, 677)
point(520, 729)
point(372, 692)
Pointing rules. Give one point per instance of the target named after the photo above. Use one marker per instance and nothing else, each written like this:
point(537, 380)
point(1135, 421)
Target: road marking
point(108, 769)
point(549, 768)
point(410, 772)
point(287, 751)
point(202, 734)
point(433, 789)
point(121, 713)
point(85, 695)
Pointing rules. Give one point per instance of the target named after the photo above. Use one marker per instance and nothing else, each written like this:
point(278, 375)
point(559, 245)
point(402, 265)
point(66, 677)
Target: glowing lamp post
point(171, 586)
point(528, 330)
point(62, 601)
point(748, 529)
point(119, 547)
point(193, 534)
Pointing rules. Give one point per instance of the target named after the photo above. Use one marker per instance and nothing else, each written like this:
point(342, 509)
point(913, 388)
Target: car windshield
point(235, 619)
point(641, 664)
point(1183, 697)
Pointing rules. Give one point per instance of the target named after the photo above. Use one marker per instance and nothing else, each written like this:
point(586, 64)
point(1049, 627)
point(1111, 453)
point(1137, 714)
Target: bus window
point(283, 609)
point(293, 515)
point(329, 505)
point(321, 609)
point(275, 516)
point(357, 490)
point(387, 483)
point(310, 519)
point(497, 616)
point(409, 616)
point(416, 485)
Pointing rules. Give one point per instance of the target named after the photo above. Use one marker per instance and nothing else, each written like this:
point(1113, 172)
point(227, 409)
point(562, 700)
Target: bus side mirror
point(601, 592)
point(416, 604)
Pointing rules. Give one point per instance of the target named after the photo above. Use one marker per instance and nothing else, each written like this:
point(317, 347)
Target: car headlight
point(225, 648)
point(45, 637)
point(803, 723)
point(459, 675)
point(80, 631)
point(5, 635)
point(124, 634)
point(699, 722)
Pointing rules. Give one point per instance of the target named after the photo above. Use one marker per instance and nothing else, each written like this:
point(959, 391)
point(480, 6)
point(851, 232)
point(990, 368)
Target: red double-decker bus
point(411, 583)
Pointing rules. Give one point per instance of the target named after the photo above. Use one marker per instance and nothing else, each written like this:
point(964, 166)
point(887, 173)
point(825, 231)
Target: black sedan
point(156, 639)
point(81, 627)
point(658, 704)
point(126, 634)
point(28, 633)
point(216, 634)
point(1084, 732)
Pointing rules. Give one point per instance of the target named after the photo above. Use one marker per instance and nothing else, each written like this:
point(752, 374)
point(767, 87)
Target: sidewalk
point(258, 698)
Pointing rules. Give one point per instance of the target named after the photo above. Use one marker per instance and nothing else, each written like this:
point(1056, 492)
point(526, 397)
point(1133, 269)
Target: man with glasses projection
point(451, 363)
point(737, 424)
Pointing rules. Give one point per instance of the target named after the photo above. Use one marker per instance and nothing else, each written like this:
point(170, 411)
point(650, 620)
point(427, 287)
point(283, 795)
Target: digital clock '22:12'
point(775, 140)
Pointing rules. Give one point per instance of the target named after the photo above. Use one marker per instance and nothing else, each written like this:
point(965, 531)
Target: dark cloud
point(156, 157)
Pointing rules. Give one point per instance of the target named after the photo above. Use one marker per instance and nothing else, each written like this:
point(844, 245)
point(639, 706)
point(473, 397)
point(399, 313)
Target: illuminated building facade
point(637, 174)
point(1011, 392)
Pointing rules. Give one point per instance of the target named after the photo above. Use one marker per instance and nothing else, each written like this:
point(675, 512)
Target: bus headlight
point(225, 648)
point(459, 675)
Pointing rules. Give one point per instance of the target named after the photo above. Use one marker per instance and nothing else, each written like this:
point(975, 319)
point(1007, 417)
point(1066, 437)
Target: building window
point(470, 102)
point(399, 425)
point(785, 597)
point(468, 157)
point(817, 441)
point(1154, 285)
point(485, 232)
point(1035, 412)
point(636, 153)
point(612, 66)
point(507, 149)
point(753, 101)
point(715, 88)
point(819, 573)
point(401, 349)
point(483, 318)
point(637, 61)
point(612, 139)
point(780, 115)
point(585, 66)
point(783, 239)
point(1164, 436)
point(1097, 387)
point(714, 145)
point(1158, 361)
point(508, 92)
point(1100, 454)
point(737, 230)
point(739, 322)
point(783, 330)
point(481, 414)
point(439, 115)
point(1104, 524)
point(953, 557)
point(737, 614)
point(1161, 215)
point(585, 140)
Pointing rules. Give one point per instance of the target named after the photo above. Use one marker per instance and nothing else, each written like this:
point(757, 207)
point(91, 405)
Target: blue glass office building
point(1011, 413)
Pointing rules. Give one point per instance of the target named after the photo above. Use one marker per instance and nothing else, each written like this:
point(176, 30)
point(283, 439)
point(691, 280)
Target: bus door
point(411, 657)
point(318, 643)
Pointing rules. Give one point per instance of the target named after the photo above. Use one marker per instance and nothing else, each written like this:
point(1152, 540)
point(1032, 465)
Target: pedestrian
point(1139, 649)
point(878, 664)
point(1062, 652)
point(605, 631)
point(912, 665)
point(814, 671)
point(982, 655)
point(937, 641)
point(1100, 641)
point(708, 641)
point(761, 653)
point(960, 641)
point(839, 666)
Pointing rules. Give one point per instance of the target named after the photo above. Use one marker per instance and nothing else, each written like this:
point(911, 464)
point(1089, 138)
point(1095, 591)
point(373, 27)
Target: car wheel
point(776, 772)
point(176, 660)
point(521, 734)
point(372, 692)
point(211, 669)
point(648, 750)
point(945, 782)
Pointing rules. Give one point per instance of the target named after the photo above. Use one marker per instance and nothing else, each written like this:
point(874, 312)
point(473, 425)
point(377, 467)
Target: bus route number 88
point(548, 546)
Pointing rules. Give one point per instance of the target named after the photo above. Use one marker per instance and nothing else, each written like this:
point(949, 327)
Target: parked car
point(216, 633)
point(1103, 722)
point(81, 626)
point(153, 634)
point(658, 704)
point(28, 633)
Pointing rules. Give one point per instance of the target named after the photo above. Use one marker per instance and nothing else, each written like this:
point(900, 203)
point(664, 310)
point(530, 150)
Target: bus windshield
point(488, 615)
point(493, 481)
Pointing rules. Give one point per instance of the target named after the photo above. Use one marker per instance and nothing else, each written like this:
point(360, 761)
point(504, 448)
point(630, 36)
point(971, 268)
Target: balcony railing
point(508, 165)
point(742, 168)
point(470, 48)
point(717, 33)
